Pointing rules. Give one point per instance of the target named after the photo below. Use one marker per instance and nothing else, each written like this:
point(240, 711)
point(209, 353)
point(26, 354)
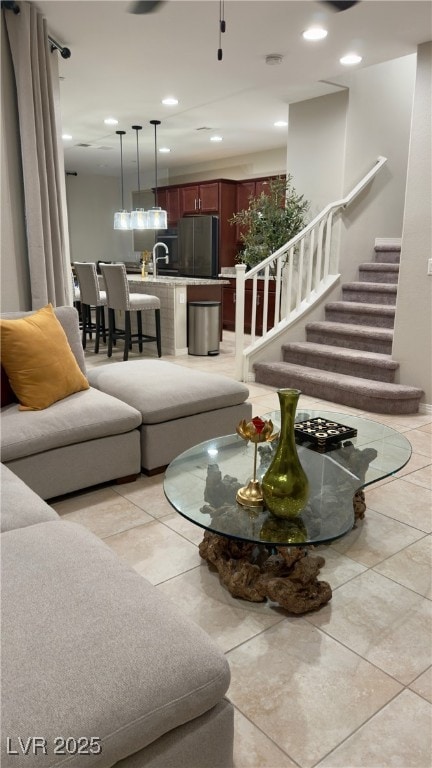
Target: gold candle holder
point(257, 431)
point(145, 258)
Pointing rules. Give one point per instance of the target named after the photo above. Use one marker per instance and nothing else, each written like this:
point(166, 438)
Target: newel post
point(239, 320)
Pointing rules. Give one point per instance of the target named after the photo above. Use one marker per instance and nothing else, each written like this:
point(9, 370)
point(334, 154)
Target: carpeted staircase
point(347, 357)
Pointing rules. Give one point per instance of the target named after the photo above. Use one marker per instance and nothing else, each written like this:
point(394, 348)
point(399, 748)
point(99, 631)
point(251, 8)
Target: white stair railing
point(294, 278)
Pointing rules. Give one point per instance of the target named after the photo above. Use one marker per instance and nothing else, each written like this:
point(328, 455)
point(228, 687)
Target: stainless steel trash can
point(204, 327)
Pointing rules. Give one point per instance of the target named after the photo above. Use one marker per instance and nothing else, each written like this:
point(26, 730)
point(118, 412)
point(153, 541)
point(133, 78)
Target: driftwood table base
point(248, 571)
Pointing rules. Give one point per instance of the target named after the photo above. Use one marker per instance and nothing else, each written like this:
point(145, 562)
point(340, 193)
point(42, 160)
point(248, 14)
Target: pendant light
point(156, 217)
point(122, 217)
point(138, 217)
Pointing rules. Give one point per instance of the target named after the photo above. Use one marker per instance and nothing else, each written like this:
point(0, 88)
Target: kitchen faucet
point(156, 258)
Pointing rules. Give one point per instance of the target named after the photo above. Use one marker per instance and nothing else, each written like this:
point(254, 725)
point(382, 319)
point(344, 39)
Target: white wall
point(239, 167)
point(412, 341)
point(316, 148)
point(92, 202)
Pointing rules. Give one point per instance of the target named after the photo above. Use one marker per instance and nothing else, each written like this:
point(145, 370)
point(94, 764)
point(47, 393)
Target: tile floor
point(347, 687)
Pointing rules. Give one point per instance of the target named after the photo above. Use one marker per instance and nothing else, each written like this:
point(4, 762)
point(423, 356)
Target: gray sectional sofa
point(94, 658)
point(136, 415)
point(95, 663)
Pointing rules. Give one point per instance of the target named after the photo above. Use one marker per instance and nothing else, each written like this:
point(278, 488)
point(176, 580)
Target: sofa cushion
point(90, 648)
point(83, 416)
point(20, 506)
point(164, 391)
point(38, 360)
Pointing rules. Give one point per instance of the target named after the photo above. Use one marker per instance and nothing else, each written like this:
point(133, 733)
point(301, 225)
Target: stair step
point(380, 315)
point(372, 293)
point(364, 337)
point(366, 395)
point(378, 272)
point(365, 365)
point(388, 253)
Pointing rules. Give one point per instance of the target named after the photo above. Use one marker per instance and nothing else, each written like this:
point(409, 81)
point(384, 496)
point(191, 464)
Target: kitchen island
point(174, 294)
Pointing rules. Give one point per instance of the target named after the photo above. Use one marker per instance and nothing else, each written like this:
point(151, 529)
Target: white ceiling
point(122, 65)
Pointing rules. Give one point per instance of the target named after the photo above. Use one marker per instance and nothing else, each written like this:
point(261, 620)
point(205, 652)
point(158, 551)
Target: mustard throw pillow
point(38, 360)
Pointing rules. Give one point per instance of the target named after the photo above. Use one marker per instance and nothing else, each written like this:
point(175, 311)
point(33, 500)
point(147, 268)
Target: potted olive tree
point(272, 218)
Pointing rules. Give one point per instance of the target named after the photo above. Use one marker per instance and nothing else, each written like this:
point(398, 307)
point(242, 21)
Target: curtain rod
point(65, 52)
point(11, 5)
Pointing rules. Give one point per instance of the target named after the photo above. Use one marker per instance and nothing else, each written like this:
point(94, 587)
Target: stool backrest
point(88, 282)
point(116, 285)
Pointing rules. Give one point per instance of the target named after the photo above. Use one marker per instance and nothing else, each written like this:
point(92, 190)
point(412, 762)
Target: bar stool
point(91, 297)
point(120, 299)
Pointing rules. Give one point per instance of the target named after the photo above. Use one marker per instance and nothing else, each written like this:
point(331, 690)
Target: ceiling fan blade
point(342, 5)
point(145, 6)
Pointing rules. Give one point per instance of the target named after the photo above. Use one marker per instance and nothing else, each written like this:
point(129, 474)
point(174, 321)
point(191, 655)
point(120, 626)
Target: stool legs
point(139, 326)
point(100, 327)
point(127, 335)
point(127, 341)
point(111, 328)
point(158, 332)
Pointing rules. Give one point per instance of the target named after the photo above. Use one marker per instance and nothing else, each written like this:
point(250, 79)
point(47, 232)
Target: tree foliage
point(272, 218)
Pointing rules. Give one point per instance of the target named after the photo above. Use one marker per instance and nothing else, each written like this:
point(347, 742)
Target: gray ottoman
point(180, 407)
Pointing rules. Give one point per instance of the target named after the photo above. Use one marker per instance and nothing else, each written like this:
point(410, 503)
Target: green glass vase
point(285, 486)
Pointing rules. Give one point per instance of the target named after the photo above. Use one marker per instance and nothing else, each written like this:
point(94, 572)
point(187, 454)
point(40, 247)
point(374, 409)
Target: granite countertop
point(171, 280)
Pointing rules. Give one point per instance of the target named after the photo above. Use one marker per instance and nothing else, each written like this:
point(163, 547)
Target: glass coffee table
point(257, 555)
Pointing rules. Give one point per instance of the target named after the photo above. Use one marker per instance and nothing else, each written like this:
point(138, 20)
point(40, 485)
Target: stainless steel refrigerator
point(198, 246)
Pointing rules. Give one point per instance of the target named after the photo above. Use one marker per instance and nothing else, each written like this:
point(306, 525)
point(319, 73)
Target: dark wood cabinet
point(199, 198)
point(169, 200)
point(188, 199)
point(213, 197)
point(229, 307)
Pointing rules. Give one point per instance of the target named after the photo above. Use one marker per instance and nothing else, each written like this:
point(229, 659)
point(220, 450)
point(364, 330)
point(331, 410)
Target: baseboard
point(425, 408)
point(397, 241)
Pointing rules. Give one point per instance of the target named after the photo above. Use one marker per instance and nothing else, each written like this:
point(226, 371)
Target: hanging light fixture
point(122, 217)
point(138, 217)
point(156, 217)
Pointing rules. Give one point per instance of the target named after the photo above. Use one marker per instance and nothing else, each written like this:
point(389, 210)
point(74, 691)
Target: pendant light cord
point(137, 128)
point(121, 134)
point(155, 123)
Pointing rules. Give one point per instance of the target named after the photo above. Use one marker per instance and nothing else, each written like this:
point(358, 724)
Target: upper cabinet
point(210, 197)
point(169, 200)
point(199, 198)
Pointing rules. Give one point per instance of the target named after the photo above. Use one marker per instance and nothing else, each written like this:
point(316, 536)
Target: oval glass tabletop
point(201, 483)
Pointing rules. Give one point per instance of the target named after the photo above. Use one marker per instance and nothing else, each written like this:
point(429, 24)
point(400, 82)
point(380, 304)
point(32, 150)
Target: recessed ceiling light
point(110, 121)
point(170, 101)
point(350, 59)
point(164, 149)
point(280, 124)
point(66, 136)
point(315, 33)
point(215, 138)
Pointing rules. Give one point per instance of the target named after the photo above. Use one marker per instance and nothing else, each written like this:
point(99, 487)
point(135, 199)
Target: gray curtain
point(36, 82)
